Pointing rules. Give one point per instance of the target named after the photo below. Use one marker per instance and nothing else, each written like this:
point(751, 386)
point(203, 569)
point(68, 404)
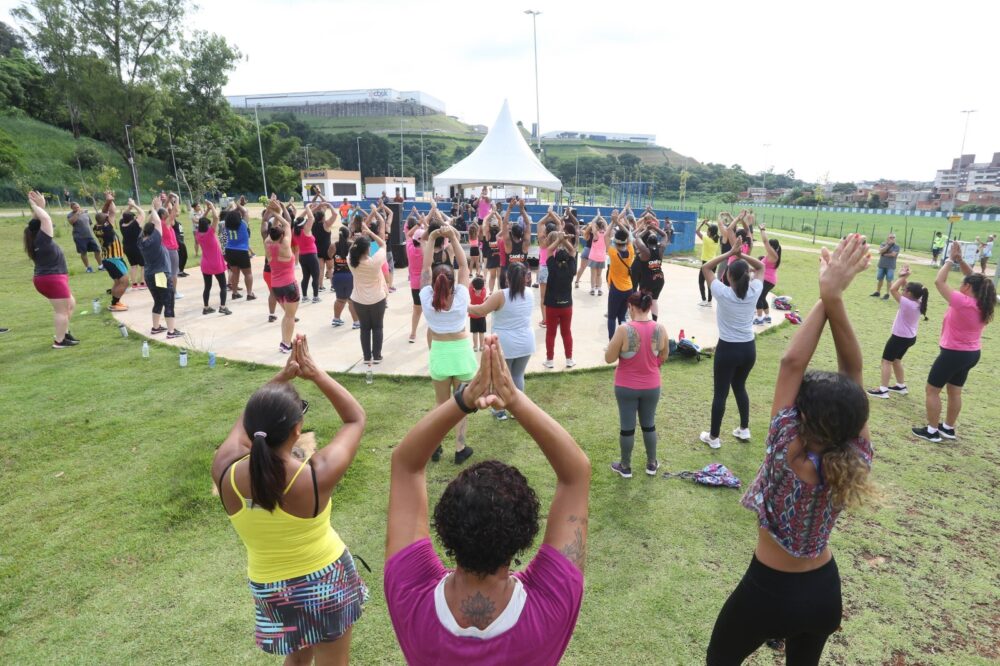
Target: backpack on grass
point(686, 348)
point(783, 303)
point(713, 474)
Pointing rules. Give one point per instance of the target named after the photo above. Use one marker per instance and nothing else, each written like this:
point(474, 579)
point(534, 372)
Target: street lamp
point(170, 138)
point(958, 179)
point(131, 163)
point(538, 123)
point(306, 148)
point(358, 138)
point(423, 169)
point(260, 147)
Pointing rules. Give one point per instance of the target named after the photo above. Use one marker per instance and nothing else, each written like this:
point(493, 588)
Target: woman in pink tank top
point(212, 264)
point(640, 347)
point(285, 290)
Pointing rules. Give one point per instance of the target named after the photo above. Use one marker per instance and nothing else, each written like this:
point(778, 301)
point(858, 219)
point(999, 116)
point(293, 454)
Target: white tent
point(503, 158)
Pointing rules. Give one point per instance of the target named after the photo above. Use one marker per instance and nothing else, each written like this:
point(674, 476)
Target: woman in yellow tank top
point(307, 592)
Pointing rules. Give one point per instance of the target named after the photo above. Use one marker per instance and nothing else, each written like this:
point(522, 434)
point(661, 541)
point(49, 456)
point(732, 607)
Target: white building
point(907, 199)
point(334, 185)
point(376, 185)
point(367, 95)
point(967, 174)
point(647, 139)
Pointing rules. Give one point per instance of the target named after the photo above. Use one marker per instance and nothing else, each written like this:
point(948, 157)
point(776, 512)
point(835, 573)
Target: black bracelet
point(461, 403)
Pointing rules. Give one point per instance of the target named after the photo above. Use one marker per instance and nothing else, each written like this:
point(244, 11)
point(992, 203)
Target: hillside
point(450, 132)
point(48, 156)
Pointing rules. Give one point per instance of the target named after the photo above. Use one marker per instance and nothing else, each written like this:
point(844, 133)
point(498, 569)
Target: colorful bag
point(783, 303)
point(713, 474)
point(793, 317)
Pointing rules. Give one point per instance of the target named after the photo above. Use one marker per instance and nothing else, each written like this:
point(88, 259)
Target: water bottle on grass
point(145, 349)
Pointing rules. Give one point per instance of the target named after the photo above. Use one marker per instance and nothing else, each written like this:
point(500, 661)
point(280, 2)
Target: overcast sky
point(842, 90)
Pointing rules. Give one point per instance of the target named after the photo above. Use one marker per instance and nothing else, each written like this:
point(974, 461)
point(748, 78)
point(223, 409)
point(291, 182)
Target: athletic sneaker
point(235, 295)
point(886, 297)
point(89, 270)
point(207, 310)
point(64, 343)
point(899, 388)
point(878, 393)
point(758, 321)
point(356, 325)
point(182, 274)
point(392, 290)
point(767, 319)
point(71, 337)
point(923, 433)
point(100, 268)
point(570, 363)
point(875, 294)
point(337, 322)
point(706, 304)
point(463, 455)
point(376, 360)
point(742, 434)
point(118, 307)
point(315, 299)
point(156, 330)
point(624, 472)
point(653, 467)
point(500, 415)
point(176, 333)
point(225, 311)
point(284, 349)
point(251, 297)
point(593, 292)
point(178, 295)
point(712, 443)
point(947, 433)
point(436, 456)
point(600, 292)
point(547, 363)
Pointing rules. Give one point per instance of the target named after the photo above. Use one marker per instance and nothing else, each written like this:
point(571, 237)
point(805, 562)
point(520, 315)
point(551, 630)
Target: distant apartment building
point(908, 199)
point(967, 175)
point(646, 139)
point(344, 103)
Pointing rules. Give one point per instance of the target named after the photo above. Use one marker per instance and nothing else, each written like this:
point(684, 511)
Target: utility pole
point(173, 159)
point(538, 122)
point(131, 163)
point(260, 147)
point(306, 148)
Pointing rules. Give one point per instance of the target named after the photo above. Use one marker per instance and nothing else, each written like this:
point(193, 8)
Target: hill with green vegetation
point(49, 158)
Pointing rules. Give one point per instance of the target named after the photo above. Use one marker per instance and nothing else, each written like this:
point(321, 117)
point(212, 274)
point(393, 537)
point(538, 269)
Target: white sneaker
point(712, 443)
point(742, 434)
point(706, 304)
point(178, 296)
point(548, 364)
point(570, 363)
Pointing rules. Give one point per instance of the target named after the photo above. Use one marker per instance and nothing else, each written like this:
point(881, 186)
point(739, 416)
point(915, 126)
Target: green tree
point(11, 162)
point(845, 188)
point(10, 40)
point(202, 157)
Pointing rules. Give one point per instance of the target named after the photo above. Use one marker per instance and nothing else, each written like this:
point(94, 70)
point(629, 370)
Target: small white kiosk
point(376, 185)
point(333, 184)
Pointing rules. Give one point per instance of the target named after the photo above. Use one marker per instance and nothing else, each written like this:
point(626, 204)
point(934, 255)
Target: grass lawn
point(113, 550)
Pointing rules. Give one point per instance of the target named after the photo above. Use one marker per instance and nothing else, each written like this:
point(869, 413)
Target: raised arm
point(955, 259)
point(772, 254)
point(849, 259)
point(428, 252)
point(566, 527)
point(708, 268)
point(408, 514)
point(140, 217)
point(463, 264)
point(154, 213)
point(899, 283)
point(37, 203)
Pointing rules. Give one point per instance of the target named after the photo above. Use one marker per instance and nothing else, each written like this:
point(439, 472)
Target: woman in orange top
point(621, 253)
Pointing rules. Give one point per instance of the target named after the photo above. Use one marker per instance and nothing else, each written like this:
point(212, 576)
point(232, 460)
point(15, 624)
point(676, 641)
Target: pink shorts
point(53, 286)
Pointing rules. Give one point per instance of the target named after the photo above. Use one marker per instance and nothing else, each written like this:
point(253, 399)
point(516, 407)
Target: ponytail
point(985, 294)
point(30, 234)
point(776, 245)
point(269, 419)
point(919, 293)
point(847, 475)
point(359, 249)
point(443, 282)
point(739, 278)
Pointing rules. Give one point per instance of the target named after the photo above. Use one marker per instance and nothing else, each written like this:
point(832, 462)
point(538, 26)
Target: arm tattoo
point(478, 610)
point(576, 550)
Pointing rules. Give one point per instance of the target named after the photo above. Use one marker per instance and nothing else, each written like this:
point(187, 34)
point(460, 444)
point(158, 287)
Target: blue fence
point(972, 217)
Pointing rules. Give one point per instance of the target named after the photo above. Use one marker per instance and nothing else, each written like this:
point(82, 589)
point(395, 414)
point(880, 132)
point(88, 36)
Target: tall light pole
point(538, 123)
point(763, 175)
point(131, 163)
point(306, 148)
point(965, 132)
point(260, 147)
point(173, 159)
point(423, 168)
point(358, 138)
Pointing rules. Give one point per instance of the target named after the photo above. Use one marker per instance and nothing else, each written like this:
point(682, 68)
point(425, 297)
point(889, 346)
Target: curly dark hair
point(486, 516)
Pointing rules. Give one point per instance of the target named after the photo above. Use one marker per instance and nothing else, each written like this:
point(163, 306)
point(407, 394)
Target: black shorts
point(323, 252)
point(652, 286)
point(952, 367)
point(288, 293)
point(477, 324)
point(238, 259)
point(895, 348)
point(134, 256)
point(473, 250)
point(415, 293)
point(493, 260)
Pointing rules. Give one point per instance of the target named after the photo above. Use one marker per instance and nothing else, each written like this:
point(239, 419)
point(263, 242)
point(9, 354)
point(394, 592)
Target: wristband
point(460, 402)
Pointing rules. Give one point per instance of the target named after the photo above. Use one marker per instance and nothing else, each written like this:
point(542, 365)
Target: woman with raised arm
point(342, 282)
point(415, 231)
point(112, 252)
point(304, 242)
point(817, 463)
point(490, 244)
point(157, 267)
point(709, 249)
point(51, 277)
point(912, 304)
point(512, 306)
point(369, 292)
point(561, 266)
point(278, 248)
point(622, 253)
point(647, 269)
point(549, 223)
point(481, 613)
point(639, 347)
point(237, 250)
point(444, 300)
point(598, 254)
point(306, 590)
point(587, 233)
point(212, 264)
point(736, 352)
point(970, 309)
point(771, 261)
point(131, 230)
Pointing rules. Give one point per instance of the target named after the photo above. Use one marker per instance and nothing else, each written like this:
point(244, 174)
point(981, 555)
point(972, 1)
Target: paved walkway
point(247, 336)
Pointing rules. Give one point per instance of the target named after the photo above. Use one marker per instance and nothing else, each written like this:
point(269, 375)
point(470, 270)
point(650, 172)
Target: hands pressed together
point(492, 386)
point(300, 363)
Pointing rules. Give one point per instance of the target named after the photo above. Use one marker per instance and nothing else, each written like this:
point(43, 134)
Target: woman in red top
point(640, 348)
point(817, 462)
point(282, 261)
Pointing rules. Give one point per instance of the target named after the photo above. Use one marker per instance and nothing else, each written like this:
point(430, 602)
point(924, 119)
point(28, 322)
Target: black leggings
point(163, 299)
point(371, 318)
point(802, 608)
point(310, 269)
point(182, 256)
point(762, 299)
point(701, 285)
point(221, 278)
point(733, 363)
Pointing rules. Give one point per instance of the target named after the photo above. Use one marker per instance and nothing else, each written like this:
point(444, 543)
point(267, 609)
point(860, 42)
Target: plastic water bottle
point(145, 349)
point(369, 376)
point(681, 335)
point(96, 305)
point(184, 358)
point(123, 329)
point(211, 359)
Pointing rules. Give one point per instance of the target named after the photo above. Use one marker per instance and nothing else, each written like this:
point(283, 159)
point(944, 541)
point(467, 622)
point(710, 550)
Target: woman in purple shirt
point(481, 613)
point(817, 463)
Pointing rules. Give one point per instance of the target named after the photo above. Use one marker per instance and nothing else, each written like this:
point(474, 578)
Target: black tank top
point(322, 236)
point(517, 255)
point(340, 257)
point(648, 272)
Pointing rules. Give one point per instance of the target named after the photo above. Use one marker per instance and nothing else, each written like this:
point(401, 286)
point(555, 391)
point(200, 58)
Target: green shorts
point(452, 358)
